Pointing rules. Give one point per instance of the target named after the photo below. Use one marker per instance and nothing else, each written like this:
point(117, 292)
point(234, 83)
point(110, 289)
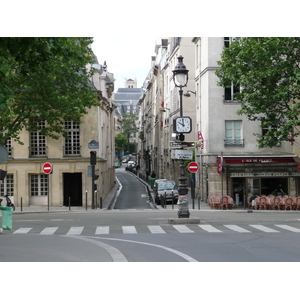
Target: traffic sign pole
point(48, 169)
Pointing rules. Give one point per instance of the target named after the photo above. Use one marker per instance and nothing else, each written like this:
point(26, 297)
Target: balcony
point(71, 150)
point(38, 151)
point(234, 142)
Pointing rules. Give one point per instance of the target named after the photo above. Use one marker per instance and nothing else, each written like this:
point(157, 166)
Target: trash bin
point(152, 180)
point(6, 217)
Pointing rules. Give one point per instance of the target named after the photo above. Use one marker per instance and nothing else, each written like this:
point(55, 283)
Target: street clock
point(182, 124)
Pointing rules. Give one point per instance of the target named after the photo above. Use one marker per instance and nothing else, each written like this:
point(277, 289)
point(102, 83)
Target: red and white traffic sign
point(47, 168)
point(193, 167)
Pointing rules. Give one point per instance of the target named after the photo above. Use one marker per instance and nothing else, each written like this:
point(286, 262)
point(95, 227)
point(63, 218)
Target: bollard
point(100, 202)
point(21, 204)
point(165, 199)
point(86, 195)
point(69, 203)
point(172, 199)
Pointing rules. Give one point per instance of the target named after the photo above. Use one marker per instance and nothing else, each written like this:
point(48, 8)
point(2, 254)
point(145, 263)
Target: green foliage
point(44, 79)
point(129, 124)
point(267, 69)
point(120, 143)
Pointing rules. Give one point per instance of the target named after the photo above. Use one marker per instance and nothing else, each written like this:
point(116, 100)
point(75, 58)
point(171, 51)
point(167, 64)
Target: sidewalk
point(106, 204)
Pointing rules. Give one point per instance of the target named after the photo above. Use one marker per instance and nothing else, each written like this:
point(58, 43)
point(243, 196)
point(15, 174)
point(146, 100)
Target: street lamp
point(180, 78)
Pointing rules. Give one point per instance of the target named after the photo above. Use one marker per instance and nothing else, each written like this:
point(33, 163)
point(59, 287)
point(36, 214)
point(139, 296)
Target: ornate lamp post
point(181, 125)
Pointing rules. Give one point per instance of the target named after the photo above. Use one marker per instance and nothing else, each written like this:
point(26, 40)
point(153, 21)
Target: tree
point(268, 71)
point(44, 79)
point(129, 125)
point(120, 142)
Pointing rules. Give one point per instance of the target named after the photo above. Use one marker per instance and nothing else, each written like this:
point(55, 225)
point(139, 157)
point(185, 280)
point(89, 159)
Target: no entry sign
point(193, 167)
point(47, 168)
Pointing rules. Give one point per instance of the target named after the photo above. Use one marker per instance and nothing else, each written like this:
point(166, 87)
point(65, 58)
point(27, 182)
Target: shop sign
point(265, 174)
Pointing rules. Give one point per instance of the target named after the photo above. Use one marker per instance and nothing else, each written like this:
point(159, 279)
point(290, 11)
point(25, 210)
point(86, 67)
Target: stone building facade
point(70, 158)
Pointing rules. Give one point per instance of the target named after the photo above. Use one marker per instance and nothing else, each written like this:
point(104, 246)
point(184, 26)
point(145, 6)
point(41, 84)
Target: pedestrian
point(147, 174)
point(279, 190)
point(153, 175)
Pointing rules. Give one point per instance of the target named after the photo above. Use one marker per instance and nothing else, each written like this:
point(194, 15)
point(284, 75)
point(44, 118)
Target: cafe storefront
point(247, 176)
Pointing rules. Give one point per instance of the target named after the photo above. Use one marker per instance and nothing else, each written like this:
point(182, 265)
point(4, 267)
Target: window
point(7, 186)
point(228, 41)
point(230, 92)
point(38, 141)
point(39, 184)
point(72, 143)
point(265, 130)
point(8, 143)
point(233, 133)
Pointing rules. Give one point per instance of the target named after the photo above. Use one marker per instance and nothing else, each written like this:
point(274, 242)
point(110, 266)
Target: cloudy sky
point(125, 56)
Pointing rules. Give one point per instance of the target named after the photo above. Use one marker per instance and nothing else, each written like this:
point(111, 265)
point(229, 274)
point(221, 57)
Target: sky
point(125, 56)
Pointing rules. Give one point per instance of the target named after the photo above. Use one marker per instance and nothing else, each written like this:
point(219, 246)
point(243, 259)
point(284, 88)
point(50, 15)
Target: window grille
point(39, 184)
point(7, 186)
point(72, 143)
point(38, 141)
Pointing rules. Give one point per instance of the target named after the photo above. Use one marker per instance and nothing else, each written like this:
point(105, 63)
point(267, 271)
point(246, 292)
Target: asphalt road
point(133, 194)
point(146, 236)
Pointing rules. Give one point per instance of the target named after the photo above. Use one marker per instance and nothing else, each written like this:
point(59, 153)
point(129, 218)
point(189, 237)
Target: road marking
point(49, 230)
point(156, 229)
point(22, 230)
point(209, 228)
point(264, 228)
point(115, 254)
point(102, 230)
point(75, 230)
point(129, 229)
point(181, 254)
point(290, 228)
point(183, 229)
point(236, 228)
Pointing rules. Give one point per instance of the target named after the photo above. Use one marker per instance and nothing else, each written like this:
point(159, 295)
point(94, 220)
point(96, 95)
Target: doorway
point(72, 189)
point(238, 185)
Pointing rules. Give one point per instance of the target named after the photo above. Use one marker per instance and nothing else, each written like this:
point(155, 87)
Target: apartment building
point(230, 161)
point(71, 177)
point(159, 105)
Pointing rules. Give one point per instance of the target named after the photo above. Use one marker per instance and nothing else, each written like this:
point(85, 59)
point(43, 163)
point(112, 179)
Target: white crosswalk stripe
point(183, 229)
point(75, 230)
point(102, 230)
point(156, 229)
point(264, 228)
point(290, 228)
point(129, 229)
point(209, 228)
point(236, 228)
point(49, 230)
point(22, 230)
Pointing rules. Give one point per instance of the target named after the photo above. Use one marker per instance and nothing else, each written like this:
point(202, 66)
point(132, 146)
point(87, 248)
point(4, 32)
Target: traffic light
point(93, 158)
point(2, 174)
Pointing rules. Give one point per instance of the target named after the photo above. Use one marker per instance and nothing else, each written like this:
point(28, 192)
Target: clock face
point(183, 124)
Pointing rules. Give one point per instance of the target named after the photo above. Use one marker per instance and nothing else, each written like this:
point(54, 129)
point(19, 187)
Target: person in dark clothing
point(153, 175)
point(279, 191)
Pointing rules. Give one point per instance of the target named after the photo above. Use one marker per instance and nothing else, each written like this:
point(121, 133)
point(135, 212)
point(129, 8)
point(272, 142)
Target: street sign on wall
point(182, 154)
point(47, 168)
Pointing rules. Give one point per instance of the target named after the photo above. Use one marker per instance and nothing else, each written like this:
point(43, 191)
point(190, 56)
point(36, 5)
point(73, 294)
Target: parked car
point(162, 187)
point(130, 165)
